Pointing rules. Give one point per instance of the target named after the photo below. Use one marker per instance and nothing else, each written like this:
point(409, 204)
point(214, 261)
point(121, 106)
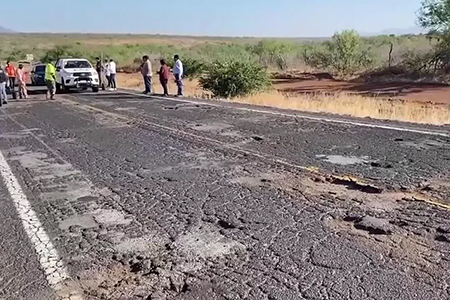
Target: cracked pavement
point(146, 198)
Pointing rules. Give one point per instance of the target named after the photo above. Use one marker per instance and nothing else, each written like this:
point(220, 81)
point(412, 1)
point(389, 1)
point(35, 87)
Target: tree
point(272, 52)
point(435, 15)
point(344, 54)
point(59, 51)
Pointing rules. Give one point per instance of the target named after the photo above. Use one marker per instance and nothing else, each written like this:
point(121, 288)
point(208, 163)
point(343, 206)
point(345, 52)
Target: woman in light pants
point(22, 83)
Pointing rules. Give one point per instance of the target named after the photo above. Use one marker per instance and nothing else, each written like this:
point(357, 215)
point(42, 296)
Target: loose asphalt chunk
point(374, 225)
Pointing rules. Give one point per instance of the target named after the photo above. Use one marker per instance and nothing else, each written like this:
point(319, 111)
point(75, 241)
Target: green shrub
point(344, 54)
point(415, 61)
point(273, 53)
point(52, 55)
point(234, 78)
point(16, 54)
point(193, 68)
point(435, 61)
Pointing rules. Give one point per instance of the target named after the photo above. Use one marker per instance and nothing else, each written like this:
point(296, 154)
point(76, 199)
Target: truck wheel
point(95, 89)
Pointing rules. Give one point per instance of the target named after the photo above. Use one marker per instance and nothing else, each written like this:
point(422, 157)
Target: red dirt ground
point(435, 93)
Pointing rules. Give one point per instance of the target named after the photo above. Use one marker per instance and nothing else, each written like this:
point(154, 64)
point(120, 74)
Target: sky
point(261, 18)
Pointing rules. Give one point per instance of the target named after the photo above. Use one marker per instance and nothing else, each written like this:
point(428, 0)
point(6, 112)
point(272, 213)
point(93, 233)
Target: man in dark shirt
point(99, 68)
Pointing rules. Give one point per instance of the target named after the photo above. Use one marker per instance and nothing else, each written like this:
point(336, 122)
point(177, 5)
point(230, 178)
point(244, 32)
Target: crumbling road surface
point(123, 196)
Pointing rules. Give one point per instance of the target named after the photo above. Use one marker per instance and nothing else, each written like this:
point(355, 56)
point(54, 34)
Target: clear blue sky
point(289, 18)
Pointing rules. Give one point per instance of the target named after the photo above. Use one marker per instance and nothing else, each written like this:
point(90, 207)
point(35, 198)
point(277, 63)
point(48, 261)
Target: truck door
point(58, 70)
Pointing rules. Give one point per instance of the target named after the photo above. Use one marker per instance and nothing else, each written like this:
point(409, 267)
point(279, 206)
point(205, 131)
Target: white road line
point(55, 271)
point(301, 116)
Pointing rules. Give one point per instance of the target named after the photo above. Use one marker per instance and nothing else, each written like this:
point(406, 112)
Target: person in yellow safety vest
point(50, 79)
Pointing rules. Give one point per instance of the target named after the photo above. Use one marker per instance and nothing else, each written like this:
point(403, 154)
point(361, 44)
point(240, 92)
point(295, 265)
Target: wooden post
point(390, 54)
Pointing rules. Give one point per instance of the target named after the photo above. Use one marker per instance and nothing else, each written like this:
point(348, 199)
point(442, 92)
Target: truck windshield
point(77, 64)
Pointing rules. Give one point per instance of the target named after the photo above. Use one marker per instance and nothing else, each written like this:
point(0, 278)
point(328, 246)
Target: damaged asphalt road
point(147, 198)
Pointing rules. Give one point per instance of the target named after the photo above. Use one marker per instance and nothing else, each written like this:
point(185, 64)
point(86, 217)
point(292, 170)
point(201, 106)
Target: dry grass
point(357, 106)
point(336, 103)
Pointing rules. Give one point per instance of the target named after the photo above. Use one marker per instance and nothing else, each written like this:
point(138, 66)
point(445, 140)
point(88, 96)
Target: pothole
point(182, 106)
point(443, 238)
point(257, 138)
point(376, 164)
point(214, 127)
point(226, 224)
point(205, 241)
point(423, 144)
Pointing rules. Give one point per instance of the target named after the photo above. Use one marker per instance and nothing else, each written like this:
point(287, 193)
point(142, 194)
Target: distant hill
point(5, 30)
point(398, 31)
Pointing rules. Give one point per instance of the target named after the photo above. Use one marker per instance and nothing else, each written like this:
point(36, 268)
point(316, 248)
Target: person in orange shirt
point(22, 82)
point(12, 73)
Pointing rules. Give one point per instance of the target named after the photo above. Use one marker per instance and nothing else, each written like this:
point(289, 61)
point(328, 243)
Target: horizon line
point(195, 35)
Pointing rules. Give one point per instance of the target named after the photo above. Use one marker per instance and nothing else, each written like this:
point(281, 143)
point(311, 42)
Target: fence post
point(390, 54)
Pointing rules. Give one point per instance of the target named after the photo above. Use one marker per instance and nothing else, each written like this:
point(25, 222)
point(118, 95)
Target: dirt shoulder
point(406, 102)
point(421, 92)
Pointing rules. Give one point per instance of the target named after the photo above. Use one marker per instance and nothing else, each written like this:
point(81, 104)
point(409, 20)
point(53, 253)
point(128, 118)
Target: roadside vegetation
point(241, 67)
point(346, 55)
point(233, 78)
point(275, 54)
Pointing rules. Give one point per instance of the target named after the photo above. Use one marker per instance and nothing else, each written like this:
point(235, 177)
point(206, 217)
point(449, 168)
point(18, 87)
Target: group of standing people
point(164, 75)
point(109, 69)
point(9, 76)
point(12, 75)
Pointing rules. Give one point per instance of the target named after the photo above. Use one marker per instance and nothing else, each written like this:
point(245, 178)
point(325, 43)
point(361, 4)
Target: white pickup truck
point(76, 73)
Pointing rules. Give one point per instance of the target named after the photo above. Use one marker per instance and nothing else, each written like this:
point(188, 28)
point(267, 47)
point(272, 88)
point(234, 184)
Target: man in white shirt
point(178, 73)
point(112, 74)
point(146, 71)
